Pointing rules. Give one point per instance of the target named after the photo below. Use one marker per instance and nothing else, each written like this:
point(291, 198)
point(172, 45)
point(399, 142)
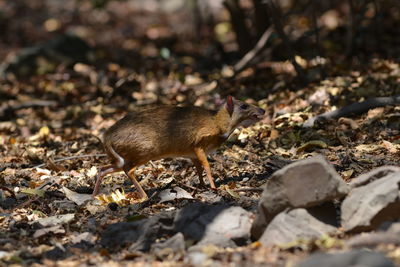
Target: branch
point(253, 53)
point(13, 105)
point(355, 109)
point(71, 157)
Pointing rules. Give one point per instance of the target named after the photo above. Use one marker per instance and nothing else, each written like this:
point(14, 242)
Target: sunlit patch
point(120, 197)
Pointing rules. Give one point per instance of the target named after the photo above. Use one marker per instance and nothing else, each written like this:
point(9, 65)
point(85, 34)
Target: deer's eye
point(244, 106)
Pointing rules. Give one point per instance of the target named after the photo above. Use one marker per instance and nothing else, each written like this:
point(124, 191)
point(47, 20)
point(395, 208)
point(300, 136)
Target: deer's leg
point(199, 169)
point(103, 172)
point(130, 172)
point(202, 158)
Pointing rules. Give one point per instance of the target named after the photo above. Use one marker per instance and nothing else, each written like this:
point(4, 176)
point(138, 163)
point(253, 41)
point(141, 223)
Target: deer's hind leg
point(130, 172)
point(103, 172)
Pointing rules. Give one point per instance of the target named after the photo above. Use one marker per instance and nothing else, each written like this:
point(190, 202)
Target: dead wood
point(355, 109)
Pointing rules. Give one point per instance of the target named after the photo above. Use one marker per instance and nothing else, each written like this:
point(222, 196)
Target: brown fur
point(168, 131)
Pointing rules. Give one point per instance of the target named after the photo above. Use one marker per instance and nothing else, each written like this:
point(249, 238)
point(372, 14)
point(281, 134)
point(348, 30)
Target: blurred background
point(83, 62)
point(146, 50)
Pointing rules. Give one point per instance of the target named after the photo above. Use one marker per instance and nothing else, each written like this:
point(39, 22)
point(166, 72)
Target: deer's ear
point(229, 105)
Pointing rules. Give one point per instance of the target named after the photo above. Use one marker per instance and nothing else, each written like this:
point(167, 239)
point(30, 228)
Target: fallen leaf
point(347, 174)
point(30, 191)
point(56, 229)
point(392, 148)
point(312, 144)
point(92, 172)
point(55, 220)
point(174, 193)
point(79, 199)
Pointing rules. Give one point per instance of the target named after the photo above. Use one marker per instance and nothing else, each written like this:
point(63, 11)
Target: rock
point(326, 213)
point(140, 235)
point(301, 184)
point(388, 233)
point(394, 227)
point(220, 225)
point(368, 206)
point(360, 258)
point(201, 255)
point(292, 225)
point(174, 244)
point(373, 175)
point(373, 239)
point(43, 58)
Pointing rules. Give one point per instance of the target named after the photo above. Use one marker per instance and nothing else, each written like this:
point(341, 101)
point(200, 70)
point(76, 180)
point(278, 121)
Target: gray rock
point(220, 225)
point(394, 227)
point(174, 244)
point(292, 225)
point(373, 239)
point(140, 235)
point(373, 175)
point(196, 257)
point(367, 207)
point(354, 258)
point(301, 184)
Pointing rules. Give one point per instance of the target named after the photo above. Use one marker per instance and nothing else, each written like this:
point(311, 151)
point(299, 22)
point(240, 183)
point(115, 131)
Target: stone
point(174, 244)
point(220, 225)
point(373, 239)
point(368, 206)
point(289, 226)
point(139, 235)
point(301, 184)
point(354, 258)
point(373, 175)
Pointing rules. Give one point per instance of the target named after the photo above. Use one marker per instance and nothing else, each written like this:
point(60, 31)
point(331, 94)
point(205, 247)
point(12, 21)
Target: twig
point(253, 53)
point(355, 109)
point(8, 190)
point(24, 204)
point(188, 186)
point(248, 189)
point(71, 157)
point(12, 105)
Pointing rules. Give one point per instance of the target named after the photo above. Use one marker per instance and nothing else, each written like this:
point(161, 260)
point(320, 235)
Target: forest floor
point(86, 98)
